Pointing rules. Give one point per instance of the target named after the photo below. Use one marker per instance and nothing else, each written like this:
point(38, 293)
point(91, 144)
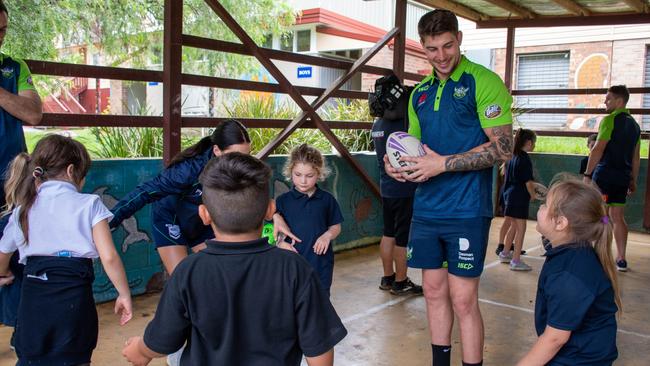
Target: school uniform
point(575, 294)
point(397, 197)
point(57, 320)
point(308, 218)
point(176, 195)
point(519, 171)
point(245, 303)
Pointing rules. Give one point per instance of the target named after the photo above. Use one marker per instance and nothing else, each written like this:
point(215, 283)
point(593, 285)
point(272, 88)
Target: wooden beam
point(90, 71)
point(513, 8)
point(592, 91)
point(638, 5)
point(399, 47)
point(568, 21)
point(573, 7)
point(459, 9)
point(510, 56)
point(172, 66)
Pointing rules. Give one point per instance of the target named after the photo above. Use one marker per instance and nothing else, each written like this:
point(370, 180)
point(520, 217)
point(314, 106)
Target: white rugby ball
point(540, 191)
point(401, 144)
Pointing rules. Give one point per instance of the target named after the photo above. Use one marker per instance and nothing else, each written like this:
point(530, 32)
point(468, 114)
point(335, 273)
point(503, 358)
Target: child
point(577, 293)
point(240, 301)
point(397, 197)
point(313, 215)
point(518, 191)
point(591, 141)
point(58, 231)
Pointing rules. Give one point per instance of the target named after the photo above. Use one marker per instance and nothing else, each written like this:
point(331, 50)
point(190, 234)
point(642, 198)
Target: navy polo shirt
point(14, 78)
point(389, 187)
point(575, 294)
point(308, 218)
point(244, 304)
point(519, 170)
point(622, 134)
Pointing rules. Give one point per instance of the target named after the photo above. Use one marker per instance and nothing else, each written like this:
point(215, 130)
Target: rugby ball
point(401, 144)
point(540, 191)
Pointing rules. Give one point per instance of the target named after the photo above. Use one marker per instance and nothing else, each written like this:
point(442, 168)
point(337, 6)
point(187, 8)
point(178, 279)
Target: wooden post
point(172, 66)
point(399, 46)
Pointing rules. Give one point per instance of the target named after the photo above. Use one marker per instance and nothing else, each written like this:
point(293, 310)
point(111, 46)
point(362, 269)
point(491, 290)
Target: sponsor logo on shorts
point(174, 231)
point(465, 266)
point(7, 72)
point(409, 253)
point(463, 254)
point(460, 92)
point(493, 111)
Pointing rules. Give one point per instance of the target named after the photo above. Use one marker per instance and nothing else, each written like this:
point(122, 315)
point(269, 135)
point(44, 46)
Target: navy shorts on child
point(519, 170)
point(574, 294)
point(308, 218)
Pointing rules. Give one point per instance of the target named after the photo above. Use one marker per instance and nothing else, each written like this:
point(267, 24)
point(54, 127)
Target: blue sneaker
point(621, 265)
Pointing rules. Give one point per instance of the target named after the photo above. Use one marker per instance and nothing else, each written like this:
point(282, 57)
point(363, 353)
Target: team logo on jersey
point(7, 72)
point(377, 134)
point(460, 92)
point(493, 111)
point(409, 253)
point(174, 231)
point(422, 99)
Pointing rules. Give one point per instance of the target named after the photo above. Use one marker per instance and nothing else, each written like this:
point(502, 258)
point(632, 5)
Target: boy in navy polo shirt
point(240, 301)
point(577, 294)
point(389, 102)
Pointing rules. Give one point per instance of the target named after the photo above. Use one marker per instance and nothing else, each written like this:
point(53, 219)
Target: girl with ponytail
point(58, 231)
point(577, 293)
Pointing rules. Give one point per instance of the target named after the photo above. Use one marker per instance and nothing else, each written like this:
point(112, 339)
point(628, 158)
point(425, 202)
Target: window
point(303, 40)
point(645, 121)
point(286, 42)
point(542, 71)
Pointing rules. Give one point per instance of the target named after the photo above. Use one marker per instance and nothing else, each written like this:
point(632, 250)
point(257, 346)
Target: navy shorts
point(613, 194)
point(176, 221)
point(459, 242)
point(517, 211)
point(397, 219)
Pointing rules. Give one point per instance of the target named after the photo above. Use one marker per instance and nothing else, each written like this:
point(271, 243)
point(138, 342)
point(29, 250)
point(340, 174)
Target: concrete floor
point(388, 330)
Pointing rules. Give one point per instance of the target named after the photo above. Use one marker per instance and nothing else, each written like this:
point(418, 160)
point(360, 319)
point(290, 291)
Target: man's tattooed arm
point(497, 150)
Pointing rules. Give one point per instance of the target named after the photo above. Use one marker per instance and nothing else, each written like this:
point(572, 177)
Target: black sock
point(441, 355)
point(472, 364)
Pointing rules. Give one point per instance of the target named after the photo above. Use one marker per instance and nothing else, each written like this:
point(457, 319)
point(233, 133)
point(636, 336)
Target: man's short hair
point(236, 192)
point(3, 8)
point(437, 22)
point(620, 91)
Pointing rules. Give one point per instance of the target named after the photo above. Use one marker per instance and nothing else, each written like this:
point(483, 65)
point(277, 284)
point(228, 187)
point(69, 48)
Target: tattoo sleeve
point(497, 150)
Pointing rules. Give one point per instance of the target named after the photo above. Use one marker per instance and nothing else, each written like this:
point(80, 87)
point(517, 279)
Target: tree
point(129, 32)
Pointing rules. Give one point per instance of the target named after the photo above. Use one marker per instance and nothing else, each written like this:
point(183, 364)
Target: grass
point(572, 145)
point(82, 135)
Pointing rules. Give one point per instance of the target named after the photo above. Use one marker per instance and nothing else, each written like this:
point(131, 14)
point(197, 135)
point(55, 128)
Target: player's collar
point(458, 70)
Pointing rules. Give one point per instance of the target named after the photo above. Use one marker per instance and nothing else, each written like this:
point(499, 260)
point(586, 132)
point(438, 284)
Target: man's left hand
point(427, 166)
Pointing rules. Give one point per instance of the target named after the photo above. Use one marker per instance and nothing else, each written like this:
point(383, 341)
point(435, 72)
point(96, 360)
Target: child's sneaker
point(519, 266)
point(499, 248)
point(405, 287)
point(387, 282)
point(621, 265)
point(505, 257)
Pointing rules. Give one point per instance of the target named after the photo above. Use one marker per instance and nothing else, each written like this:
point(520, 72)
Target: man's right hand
point(392, 172)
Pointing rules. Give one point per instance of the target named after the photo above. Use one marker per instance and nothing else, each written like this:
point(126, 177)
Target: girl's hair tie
point(604, 220)
point(38, 172)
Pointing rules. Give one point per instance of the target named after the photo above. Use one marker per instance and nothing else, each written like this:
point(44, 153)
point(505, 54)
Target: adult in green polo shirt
point(461, 113)
point(614, 163)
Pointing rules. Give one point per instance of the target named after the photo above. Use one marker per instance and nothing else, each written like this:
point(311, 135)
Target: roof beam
point(555, 21)
point(573, 7)
point(457, 8)
point(637, 5)
point(513, 8)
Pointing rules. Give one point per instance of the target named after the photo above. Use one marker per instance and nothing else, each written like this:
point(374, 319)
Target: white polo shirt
point(60, 224)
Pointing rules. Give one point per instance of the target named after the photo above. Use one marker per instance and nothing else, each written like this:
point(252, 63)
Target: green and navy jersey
point(449, 117)
point(622, 134)
point(15, 78)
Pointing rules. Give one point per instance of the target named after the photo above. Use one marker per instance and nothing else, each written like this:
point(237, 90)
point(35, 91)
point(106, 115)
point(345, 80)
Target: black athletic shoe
point(405, 287)
point(387, 282)
point(499, 249)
